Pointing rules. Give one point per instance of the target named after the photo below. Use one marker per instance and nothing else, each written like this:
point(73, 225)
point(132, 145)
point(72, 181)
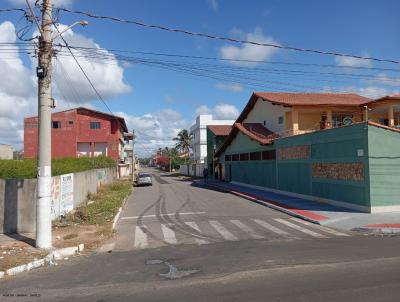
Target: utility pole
point(133, 156)
point(43, 206)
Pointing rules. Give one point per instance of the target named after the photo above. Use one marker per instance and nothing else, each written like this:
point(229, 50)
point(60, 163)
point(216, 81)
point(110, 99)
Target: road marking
point(169, 234)
point(222, 230)
point(245, 228)
point(140, 238)
point(194, 225)
point(299, 228)
point(167, 214)
point(325, 229)
point(271, 227)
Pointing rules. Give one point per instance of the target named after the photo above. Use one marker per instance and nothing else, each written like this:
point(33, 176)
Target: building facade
point(347, 159)
point(198, 131)
point(79, 132)
point(216, 135)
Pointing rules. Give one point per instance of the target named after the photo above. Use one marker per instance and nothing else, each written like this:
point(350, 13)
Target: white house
point(199, 136)
point(6, 151)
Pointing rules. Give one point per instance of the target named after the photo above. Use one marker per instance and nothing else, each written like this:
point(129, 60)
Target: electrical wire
point(229, 39)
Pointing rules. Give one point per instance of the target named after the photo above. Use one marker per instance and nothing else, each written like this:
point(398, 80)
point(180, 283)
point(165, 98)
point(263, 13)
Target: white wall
point(265, 111)
point(6, 152)
point(199, 132)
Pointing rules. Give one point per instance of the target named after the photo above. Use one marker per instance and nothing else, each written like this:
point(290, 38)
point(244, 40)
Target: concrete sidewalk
point(316, 212)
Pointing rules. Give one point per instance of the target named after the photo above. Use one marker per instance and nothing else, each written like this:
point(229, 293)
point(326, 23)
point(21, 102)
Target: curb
point(48, 260)
point(377, 231)
point(264, 203)
point(116, 217)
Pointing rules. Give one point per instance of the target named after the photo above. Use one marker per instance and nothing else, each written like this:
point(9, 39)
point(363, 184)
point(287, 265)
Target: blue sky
point(158, 102)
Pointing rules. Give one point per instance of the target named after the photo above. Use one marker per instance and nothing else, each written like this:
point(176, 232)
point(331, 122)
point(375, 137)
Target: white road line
point(299, 228)
point(140, 238)
point(169, 234)
point(167, 214)
point(245, 228)
point(271, 227)
point(222, 230)
point(194, 225)
point(325, 229)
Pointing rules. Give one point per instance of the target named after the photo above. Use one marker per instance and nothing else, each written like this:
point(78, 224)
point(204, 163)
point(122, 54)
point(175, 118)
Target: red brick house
point(79, 132)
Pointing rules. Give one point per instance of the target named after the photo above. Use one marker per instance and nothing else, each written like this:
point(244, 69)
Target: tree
point(183, 139)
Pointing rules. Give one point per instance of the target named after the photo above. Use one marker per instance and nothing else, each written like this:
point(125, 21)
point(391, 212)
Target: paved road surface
point(177, 241)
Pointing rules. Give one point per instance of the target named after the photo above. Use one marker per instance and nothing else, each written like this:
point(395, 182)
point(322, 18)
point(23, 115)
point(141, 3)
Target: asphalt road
point(179, 241)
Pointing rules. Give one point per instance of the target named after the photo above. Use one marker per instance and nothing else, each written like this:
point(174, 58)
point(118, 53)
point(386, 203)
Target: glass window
point(95, 125)
point(228, 158)
point(56, 124)
point(269, 155)
point(235, 157)
point(255, 155)
point(244, 156)
point(280, 120)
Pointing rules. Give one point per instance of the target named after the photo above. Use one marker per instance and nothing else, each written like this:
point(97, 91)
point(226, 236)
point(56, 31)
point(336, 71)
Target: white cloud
point(64, 3)
point(249, 51)
point(233, 87)
point(106, 75)
point(372, 92)
point(213, 4)
point(221, 111)
point(352, 62)
point(155, 130)
point(383, 79)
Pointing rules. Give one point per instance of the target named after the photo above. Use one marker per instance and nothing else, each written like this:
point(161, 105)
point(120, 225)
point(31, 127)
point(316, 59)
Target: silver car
point(144, 179)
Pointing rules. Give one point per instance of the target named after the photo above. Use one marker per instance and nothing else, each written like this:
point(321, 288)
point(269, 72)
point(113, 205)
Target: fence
point(18, 197)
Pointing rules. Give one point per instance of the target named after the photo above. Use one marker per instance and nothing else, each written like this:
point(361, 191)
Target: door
point(100, 149)
point(83, 149)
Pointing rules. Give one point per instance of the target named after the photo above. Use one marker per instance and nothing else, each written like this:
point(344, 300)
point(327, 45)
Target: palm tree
point(183, 142)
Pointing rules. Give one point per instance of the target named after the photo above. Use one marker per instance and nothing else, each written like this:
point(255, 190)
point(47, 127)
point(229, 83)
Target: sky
point(159, 95)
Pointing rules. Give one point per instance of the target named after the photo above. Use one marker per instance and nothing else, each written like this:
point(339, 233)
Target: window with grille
point(95, 125)
point(56, 124)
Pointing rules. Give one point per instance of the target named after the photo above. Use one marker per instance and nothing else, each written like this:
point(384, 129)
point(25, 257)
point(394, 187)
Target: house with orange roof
point(335, 148)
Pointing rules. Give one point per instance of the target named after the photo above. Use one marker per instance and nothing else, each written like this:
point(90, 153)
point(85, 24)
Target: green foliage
point(27, 168)
point(105, 204)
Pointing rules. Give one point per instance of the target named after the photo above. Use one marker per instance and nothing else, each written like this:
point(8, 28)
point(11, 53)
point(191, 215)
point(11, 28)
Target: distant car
point(144, 179)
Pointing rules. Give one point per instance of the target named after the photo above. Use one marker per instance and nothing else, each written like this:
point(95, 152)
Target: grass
point(27, 168)
point(105, 204)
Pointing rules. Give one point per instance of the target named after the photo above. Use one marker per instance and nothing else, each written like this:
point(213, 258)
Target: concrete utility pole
point(133, 156)
point(43, 212)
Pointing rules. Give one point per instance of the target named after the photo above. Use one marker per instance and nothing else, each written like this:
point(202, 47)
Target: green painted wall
point(384, 166)
point(339, 145)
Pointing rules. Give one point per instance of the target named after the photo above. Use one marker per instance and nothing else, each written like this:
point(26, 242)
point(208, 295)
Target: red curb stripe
point(384, 225)
point(306, 213)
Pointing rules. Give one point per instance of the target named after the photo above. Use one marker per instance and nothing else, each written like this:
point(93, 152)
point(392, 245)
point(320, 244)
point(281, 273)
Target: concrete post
point(329, 119)
point(295, 121)
point(390, 115)
point(43, 221)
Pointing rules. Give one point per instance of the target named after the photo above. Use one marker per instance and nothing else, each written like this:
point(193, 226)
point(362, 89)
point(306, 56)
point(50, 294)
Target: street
point(178, 241)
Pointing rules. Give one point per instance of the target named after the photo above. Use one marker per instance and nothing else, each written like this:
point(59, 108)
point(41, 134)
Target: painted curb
point(378, 231)
point(116, 217)
point(48, 260)
point(265, 203)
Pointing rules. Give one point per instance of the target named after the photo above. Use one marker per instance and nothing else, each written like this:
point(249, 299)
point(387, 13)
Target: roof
point(220, 130)
point(120, 119)
point(388, 97)
point(255, 131)
point(303, 99)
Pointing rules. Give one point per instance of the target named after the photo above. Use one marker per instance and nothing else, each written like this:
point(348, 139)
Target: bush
point(27, 168)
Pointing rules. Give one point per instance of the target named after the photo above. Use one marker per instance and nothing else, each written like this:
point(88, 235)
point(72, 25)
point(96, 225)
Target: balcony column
point(390, 115)
point(295, 121)
point(329, 119)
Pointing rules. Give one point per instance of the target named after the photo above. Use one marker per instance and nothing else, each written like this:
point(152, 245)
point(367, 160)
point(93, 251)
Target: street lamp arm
point(82, 22)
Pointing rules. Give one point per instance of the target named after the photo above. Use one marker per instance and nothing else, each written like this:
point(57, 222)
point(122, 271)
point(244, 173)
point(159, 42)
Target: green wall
point(339, 145)
point(384, 165)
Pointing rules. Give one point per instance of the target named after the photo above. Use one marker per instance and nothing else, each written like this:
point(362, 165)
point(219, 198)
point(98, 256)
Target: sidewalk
point(316, 212)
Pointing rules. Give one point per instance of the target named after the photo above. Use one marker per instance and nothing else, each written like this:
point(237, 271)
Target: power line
point(12, 9)
point(229, 39)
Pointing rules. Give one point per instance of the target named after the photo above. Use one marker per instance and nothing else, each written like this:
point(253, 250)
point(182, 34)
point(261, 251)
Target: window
point(244, 156)
point(255, 155)
point(264, 123)
point(280, 120)
point(228, 158)
point(384, 121)
point(95, 125)
point(235, 157)
point(269, 155)
point(56, 124)
point(70, 123)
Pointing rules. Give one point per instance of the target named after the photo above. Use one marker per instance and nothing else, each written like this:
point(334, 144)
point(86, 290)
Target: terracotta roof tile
point(220, 130)
point(292, 99)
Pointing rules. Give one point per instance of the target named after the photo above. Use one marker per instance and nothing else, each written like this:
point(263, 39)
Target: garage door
point(83, 149)
point(100, 149)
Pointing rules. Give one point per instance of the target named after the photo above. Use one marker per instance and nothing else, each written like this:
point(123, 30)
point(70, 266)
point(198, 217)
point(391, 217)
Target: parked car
point(144, 179)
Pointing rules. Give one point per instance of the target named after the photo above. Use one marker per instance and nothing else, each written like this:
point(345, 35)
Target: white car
point(144, 179)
